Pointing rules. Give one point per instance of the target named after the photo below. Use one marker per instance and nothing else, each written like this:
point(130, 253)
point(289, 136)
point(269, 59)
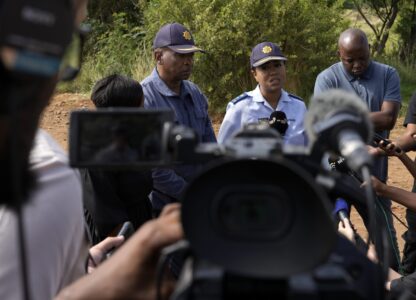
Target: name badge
point(263, 121)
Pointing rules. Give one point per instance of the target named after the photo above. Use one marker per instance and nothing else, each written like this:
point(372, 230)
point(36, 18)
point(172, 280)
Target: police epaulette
point(239, 98)
point(296, 97)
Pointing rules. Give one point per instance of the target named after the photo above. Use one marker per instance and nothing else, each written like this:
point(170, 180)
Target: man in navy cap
point(268, 68)
point(168, 87)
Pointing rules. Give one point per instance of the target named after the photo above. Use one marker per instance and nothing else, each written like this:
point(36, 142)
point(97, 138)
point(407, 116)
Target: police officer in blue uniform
point(268, 68)
point(168, 87)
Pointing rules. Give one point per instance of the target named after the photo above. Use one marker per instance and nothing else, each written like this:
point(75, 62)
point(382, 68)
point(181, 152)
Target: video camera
point(257, 217)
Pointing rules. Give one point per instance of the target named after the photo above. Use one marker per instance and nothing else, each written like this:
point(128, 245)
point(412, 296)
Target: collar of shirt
point(258, 97)
point(162, 88)
point(366, 74)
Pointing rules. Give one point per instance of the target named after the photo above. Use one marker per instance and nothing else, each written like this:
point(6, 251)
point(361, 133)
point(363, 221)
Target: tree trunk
point(381, 43)
point(412, 39)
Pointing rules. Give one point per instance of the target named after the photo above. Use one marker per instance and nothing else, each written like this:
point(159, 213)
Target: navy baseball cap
point(265, 52)
point(176, 37)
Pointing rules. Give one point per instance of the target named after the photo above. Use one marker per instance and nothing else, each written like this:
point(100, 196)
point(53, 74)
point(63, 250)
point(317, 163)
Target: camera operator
point(49, 192)
point(168, 87)
point(269, 70)
point(52, 208)
point(114, 197)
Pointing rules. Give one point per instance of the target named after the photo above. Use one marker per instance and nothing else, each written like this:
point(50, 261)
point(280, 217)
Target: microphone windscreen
point(278, 121)
point(341, 204)
point(324, 105)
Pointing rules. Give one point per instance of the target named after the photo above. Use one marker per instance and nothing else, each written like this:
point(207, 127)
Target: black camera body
point(257, 217)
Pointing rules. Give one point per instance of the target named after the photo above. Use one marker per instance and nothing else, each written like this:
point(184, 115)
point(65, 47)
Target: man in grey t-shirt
point(376, 84)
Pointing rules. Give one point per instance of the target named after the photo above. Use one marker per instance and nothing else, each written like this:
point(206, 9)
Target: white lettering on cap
point(38, 16)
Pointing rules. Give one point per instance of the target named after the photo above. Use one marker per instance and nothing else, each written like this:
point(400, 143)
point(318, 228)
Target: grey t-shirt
point(379, 83)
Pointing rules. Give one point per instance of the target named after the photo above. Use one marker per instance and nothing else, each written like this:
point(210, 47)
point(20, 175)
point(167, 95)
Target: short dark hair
point(117, 90)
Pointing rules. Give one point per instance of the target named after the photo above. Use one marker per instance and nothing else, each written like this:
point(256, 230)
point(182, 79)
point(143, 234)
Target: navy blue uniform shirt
point(191, 109)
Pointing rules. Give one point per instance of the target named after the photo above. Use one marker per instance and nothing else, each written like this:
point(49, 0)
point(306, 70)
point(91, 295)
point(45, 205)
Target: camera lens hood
point(258, 218)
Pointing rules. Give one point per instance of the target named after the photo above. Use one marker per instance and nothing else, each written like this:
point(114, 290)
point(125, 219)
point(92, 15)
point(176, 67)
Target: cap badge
point(187, 35)
point(267, 49)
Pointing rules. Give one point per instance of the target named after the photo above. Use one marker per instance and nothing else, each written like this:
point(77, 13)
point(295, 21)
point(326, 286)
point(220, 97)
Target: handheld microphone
point(339, 121)
point(342, 210)
point(278, 121)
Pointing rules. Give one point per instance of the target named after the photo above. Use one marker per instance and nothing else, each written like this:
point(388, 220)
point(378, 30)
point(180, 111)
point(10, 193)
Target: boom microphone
point(278, 121)
point(339, 121)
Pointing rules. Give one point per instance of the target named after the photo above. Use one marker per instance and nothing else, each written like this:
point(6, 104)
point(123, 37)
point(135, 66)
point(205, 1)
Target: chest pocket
point(256, 116)
point(196, 116)
point(200, 121)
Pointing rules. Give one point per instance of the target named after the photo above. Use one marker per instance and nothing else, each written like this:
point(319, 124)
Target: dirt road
point(56, 120)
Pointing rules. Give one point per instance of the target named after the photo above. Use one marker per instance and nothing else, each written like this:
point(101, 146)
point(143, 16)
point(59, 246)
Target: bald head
point(354, 51)
point(352, 38)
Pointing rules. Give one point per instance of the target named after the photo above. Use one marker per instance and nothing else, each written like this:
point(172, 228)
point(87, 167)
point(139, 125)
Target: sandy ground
point(56, 120)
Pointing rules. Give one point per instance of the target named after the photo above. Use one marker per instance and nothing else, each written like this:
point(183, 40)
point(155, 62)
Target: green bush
point(306, 30)
point(406, 29)
point(111, 48)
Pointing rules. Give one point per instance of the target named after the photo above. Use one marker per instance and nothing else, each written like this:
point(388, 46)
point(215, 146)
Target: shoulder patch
point(296, 97)
point(239, 98)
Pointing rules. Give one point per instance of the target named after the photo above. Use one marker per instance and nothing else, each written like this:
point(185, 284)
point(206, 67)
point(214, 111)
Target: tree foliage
point(103, 10)
point(307, 32)
point(406, 28)
point(386, 12)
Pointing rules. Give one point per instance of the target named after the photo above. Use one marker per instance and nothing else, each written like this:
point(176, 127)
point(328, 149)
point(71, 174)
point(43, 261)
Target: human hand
point(344, 228)
point(131, 271)
point(97, 253)
point(375, 151)
point(372, 253)
point(377, 185)
point(139, 257)
point(390, 149)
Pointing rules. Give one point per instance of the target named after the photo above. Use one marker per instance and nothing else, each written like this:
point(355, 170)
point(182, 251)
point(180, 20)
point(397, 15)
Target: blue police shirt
point(379, 83)
point(251, 107)
point(191, 109)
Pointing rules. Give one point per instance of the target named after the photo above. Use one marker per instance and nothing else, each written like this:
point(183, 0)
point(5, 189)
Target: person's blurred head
point(29, 67)
point(354, 51)
point(174, 49)
point(117, 91)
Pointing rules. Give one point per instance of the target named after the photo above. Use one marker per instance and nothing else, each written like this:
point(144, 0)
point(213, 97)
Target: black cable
point(371, 205)
point(15, 171)
point(181, 246)
point(390, 236)
point(360, 181)
point(393, 214)
point(383, 209)
point(372, 236)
